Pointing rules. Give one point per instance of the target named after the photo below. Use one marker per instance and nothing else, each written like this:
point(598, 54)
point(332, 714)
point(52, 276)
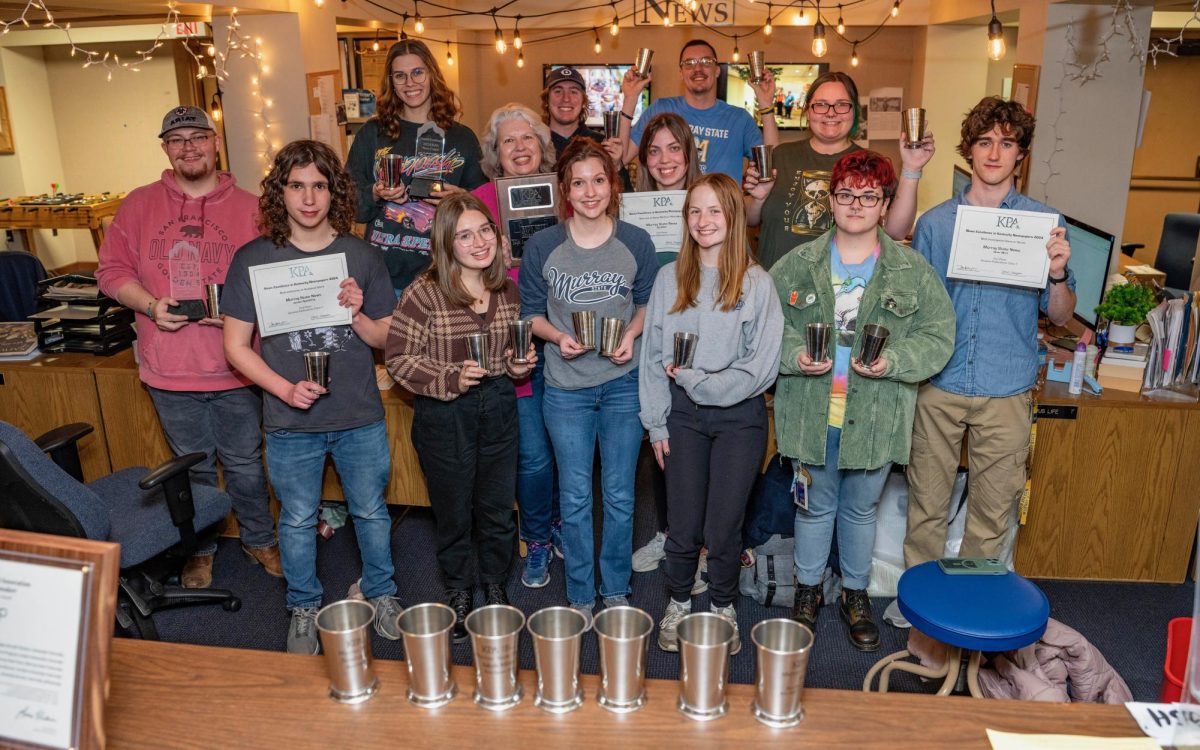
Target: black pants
point(715, 456)
point(468, 451)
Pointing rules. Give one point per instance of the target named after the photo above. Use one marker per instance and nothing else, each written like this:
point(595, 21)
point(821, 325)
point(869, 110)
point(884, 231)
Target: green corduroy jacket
point(906, 296)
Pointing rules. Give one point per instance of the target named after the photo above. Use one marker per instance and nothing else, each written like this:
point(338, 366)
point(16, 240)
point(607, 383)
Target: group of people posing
point(434, 269)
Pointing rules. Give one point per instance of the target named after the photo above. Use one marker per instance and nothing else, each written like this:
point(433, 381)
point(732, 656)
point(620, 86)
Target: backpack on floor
point(771, 581)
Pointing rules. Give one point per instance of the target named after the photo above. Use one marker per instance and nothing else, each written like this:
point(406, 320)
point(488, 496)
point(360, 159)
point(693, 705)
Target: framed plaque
point(527, 205)
point(57, 604)
point(427, 166)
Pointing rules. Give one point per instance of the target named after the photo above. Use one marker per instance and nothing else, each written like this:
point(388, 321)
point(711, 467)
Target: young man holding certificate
point(307, 209)
point(986, 388)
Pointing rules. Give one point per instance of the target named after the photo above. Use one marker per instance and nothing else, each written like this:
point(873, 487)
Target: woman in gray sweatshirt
point(712, 410)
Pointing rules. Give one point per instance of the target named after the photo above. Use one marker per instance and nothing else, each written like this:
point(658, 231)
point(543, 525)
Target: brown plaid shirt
point(427, 340)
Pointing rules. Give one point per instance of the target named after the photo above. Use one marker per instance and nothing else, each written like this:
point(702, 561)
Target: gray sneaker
point(646, 558)
point(387, 616)
point(302, 632)
point(729, 613)
point(616, 601)
point(586, 611)
point(699, 586)
point(668, 627)
point(355, 591)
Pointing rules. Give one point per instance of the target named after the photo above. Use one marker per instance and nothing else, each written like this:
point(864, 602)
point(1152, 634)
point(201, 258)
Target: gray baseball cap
point(186, 117)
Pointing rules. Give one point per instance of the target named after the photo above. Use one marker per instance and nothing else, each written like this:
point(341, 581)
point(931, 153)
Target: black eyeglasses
point(839, 108)
point(177, 142)
point(868, 200)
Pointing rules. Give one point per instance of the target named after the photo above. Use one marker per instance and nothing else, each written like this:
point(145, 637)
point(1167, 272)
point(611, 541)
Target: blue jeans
point(536, 496)
point(296, 461)
point(575, 420)
point(850, 497)
point(225, 425)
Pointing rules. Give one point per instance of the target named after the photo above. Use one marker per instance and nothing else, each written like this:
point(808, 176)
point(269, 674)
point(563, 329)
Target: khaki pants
point(997, 447)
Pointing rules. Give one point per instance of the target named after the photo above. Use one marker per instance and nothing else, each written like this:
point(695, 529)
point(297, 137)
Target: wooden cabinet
point(1116, 488)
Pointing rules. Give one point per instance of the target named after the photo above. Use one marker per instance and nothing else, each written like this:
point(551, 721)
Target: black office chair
point(46, 494)
point(19, 274)
point(1176, 248)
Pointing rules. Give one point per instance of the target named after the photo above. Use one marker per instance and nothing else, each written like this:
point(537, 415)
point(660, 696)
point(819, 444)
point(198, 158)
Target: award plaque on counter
point(430, 158)
point(527, 206)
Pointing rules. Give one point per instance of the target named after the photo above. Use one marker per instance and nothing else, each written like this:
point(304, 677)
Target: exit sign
point(185, 29)
point(710, 13)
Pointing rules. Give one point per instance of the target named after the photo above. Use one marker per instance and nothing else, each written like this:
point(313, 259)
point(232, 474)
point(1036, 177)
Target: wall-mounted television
point(603, 89)
point(791, 79)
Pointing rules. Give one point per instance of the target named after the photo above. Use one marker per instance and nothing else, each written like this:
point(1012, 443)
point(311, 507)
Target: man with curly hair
point(306, 209)
point(169, 239)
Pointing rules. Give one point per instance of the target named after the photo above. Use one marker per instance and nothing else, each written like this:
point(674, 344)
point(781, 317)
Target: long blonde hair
point(735, 256)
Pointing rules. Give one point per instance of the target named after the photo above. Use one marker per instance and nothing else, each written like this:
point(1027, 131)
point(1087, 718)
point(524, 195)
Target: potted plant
point(1125, 307)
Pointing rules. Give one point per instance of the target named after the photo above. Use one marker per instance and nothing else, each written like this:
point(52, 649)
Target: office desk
point(1114, 493)
point(178, 696)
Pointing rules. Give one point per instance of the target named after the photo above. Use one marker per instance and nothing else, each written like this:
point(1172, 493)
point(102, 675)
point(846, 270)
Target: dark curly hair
point(1014, 121)
point(272, 210)
point(444, 105)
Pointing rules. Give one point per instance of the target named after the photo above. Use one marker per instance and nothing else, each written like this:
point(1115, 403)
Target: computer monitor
point(959, 181)
point(603, 89)
point(1091, 252)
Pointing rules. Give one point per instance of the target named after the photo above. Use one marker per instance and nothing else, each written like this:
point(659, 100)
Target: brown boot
point(197, 572)
point(268, 557)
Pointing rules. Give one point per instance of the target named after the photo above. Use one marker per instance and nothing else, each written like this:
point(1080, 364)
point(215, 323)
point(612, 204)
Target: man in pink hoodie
point(169, 240)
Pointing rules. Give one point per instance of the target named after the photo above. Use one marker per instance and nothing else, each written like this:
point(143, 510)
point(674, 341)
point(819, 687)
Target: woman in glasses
point(792, 205)
point(465, 408)
point(397, 201)
point(841, 419)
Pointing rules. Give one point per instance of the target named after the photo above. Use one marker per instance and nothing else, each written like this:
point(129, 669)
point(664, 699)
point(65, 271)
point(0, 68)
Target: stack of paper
point(18, 341)
point(1123, 367)
point(1174, 359)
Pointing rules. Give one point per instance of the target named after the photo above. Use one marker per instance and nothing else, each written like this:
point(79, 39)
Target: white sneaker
point(699, 586)
point(729, 613)
point(892, 616)
point(648, 557)
point(668, 627)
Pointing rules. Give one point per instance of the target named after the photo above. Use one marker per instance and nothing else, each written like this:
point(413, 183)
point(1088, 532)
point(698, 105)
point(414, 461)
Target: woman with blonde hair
point(710, 410)
point(413, 96)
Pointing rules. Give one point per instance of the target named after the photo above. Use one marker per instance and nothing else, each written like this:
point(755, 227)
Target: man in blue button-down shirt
point(986, 388)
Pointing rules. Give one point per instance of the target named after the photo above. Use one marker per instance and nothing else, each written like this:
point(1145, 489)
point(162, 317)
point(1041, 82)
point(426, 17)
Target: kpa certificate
point(660, 213)
point(1001, 246)
point(294, 295)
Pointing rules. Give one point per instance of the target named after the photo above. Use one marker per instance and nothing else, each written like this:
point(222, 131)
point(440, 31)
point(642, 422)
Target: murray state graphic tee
point(612, 280)
point(797, 209)
point(849, 282)
point(401, 230)
point(353, 398)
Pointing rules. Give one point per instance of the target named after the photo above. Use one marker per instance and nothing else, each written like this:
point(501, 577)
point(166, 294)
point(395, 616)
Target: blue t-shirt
point(724, 134)
point(849, 283)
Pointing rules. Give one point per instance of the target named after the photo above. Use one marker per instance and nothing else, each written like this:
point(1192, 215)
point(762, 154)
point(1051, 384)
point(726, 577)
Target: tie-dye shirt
point(849, 283)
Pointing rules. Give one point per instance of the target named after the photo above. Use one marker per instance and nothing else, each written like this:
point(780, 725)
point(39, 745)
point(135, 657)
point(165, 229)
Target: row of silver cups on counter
point(623, 635)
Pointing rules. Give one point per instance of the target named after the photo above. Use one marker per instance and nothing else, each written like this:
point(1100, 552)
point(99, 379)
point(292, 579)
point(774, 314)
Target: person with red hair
point(841, 420)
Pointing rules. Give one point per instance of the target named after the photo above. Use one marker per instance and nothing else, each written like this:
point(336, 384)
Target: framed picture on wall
point(6, 138)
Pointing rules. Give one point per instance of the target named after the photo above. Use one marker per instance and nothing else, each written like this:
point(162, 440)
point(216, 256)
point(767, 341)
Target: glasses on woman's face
point(867, 200)
point(416, 75)
point(468, 237)
point(839, 108)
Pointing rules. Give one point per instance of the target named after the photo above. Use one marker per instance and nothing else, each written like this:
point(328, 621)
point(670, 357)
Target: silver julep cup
point(426, 631)
point(641, 64)
point(557, 633)
point(611, 331)
point(763, 162)
point(495, 631)
point(914, 126)
point(212, 300)
point(623, 635)
point(585, 328)
point(704, 642)
point(874, 337)
point(477, 349)
point(316, 368)
point(391, 171)
point(520, 337)
point(816, 340)
point(781, 650)
point(758, 66)
point(685, 349)
point(612, 123)
point(345, 630)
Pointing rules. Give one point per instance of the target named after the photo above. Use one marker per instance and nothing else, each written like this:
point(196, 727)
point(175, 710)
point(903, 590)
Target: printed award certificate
point(660, 213)
point(1001, 246)
point(294, 295)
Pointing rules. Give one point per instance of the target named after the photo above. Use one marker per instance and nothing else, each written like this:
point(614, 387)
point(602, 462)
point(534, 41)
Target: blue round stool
point(969, 613)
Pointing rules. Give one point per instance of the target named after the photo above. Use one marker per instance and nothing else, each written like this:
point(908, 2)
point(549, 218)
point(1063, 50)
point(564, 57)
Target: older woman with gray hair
point(517, 143)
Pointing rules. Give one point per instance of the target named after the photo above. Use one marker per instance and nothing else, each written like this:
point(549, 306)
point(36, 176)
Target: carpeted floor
point(1127, 622)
